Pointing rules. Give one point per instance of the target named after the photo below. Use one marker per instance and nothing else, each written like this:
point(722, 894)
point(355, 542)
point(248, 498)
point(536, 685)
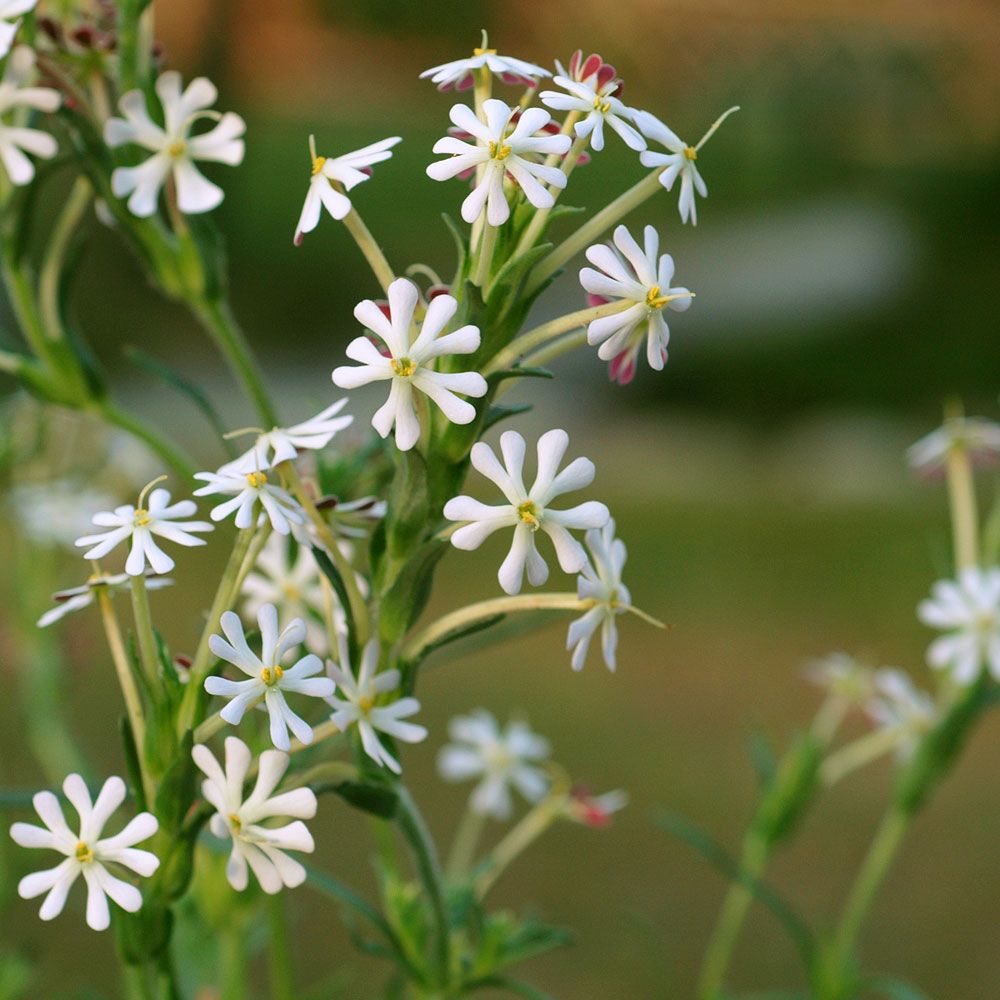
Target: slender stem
point(22, 301)
point(463, 848)
point(233, 962)
point(484, 258)
point(372, 251)
point(862, 751)
point(128, 43)
point(218, 320)
point(216, 723)
point(594, 228)
point(279, 954)
point(540, 335)
point(144, 630)
point(962, 498)
point(52, 269)
point(137, 985)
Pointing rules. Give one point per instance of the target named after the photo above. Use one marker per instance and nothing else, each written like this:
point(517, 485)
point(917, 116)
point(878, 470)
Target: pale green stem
point(538, 358)
point(233, 961)
point(541, 335)
point(862, 751)
point(463, 848)
point(552, 160)
point(144, 630)
point(484, 257)
point(52, 269)
point(370, 248)
point(594, 228)
point(279, 955)
point(829, 717)
point(962, 498)
point(216, 723)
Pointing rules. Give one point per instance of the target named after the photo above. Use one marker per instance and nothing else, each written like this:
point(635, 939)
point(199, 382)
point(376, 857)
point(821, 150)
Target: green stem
point(463, 849)
point(218, 320)
point(55, 257)
point(144, 630)
point(370, 248)
point(484, 257)
point(278, 952)
point(137, 985)
point(962, 498)
point(862, 751)
point(128, 35)
point(233, 962)
point(178, 461)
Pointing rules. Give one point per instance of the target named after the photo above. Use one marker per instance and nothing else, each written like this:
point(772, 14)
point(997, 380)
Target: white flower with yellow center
point(77, 598)
point(247, 491)
point(10, 13)
point(332, 176)
point(628, 273)
point(679, 161)
point(87, 853)
point(283, 444)
point(409, 364)
point(15, 139)
point(460, 73)
point(899, 706)
point(597, 106)
point(258, 845)
point(499, 759)
point(269, 681)
point(357, 703)
point(601, 582)
point(142, 524)
point(968, 609)
point(528, 511)
point(501, 151)
point(174, 148)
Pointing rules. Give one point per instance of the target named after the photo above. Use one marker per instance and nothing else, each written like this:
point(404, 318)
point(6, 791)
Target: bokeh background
point(846, 268)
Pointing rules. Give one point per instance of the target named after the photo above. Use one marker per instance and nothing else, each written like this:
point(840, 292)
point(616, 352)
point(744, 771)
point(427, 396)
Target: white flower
point(347, 171)
point(10, 9)
point(409, 365)
point(898, 705)
point(598, 105)
point(247, 490)
point(502, 152)
point(16, 140)
point(56, 512)
point(679, 161)
point(844, 676)
point(86, 852)
point(501, 759)
point(638, 275)
point(140, 524)
point(76, 598)
point(600, 581)
point(174, 148)
point(293, 586)
point(460, 73)
point(269, 680)
point(357, 703)
point(969, 611)
point(977, 436)
point(282, 444)
point(527, 511)
point(256, 843)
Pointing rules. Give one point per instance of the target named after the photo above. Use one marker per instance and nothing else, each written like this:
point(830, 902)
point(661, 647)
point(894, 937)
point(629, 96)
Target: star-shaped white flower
point(599, 106)
point(409, 364)
point(257, 844)
point(968, 609)
point(16, 140)
point(87, 853)
point(10, 13)
point(500, 759)
point(900, 706)
point(357, 703)
point(680, 161)
point(77, 598)
point(174, 148)
point(269, 681)
point(501, 151)
point(330, 175)
point(247, 491)
point(460, 74)
point(282, 444)
point(527, 511)
point(600, 581)
point(637, 275)
point(142, 524)
point(977, 436)
point(845, 676)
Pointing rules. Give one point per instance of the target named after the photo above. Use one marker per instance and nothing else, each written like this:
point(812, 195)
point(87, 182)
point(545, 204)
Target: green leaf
point(379, 799)
point(515, 986)
point(406, 599)
point(132, 769)
point(500, 411)
point(517, 372)
point(409, 504)
point(461, 633)
point(337, 582)
point(461, 249)
point(762, 757)
point(894, 989)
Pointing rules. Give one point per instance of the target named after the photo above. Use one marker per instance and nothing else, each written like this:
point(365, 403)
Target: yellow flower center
point(318, 162)
point(292, 593)
point(142, 517)
point(529, 514)
point(83, 853)
point(601, 105)
point(499, 151)
point(484, 52)
point(366, 704)
point(404, 367)
point(256, 480)
point(177, 148)
point(654, 299)
point(235, 823)
point(691, 153)
point(271, 675)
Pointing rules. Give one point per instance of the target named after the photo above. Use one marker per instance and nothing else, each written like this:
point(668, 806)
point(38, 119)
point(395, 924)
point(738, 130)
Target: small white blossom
point(257, 844)
point(500, 759)
point(977, 436)
point(173, 146)
point(898, 705)
point(142, 524)
point(501, 151)
point(77, 598)
point(9, 10)
point(282, 444)
point(87, 853)
point(17, 140)
point(247, 491)
point(332, 176)
point(639, 275)
point(356, 702)
point(844, 676)
point(527, 511)
point(598, 106)
point(968, 609)
point(600, 581)
point(680, 161)
point(56, 512)
point(409, 365)
point(460, 74)
point(268, 680)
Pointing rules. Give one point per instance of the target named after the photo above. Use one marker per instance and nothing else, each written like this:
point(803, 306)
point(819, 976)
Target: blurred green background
point(846, 269)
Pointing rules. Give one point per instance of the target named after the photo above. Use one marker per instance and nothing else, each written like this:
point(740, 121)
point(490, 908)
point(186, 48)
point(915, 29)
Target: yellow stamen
point(529, 515)
point(366, 704)
point(654, 299)
point(404, 367)
point(691, 153)
point(177, 148)
point(141, 518)
point(484, 52)
point(601, 105)
point(318, 162)
point(499, 151)
point(83, 853)
point(271, 675)
point(257, 479)
point(235, 823)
